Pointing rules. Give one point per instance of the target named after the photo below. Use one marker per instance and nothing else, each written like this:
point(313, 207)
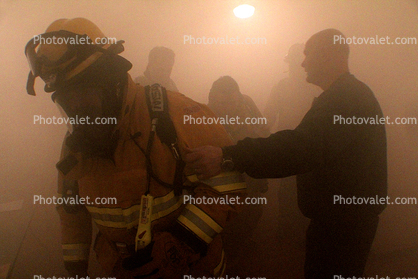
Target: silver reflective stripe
point(199, 223)
point(128, 217)
point(164, 206)
point(115, 217)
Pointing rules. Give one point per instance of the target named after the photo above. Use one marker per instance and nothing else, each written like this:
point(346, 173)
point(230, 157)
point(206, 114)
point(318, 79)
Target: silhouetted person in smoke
point(227, 101)
point(160, 65)
point(333, 162)
point(292, 97)
point(225, 98)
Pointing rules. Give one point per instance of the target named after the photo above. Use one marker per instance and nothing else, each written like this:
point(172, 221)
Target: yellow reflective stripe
point(128, 217)
point(206, 218)
point(183, 220)
point(115, 217)
point(166, 208)
point(193, 177)
point(117, 211)
point(231, 187)
point(199, 223)
point(221, 266)
point(78, 246)
point(76, 252)
point(224, 182)
point(163, 199)
point(118, 225)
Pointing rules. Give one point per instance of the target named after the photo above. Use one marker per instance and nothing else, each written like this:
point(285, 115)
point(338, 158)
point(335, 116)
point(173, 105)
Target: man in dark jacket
point(338, 152)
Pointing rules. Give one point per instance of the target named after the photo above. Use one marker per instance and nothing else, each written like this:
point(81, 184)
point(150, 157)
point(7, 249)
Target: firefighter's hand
point(204, 161)
point(169, 259)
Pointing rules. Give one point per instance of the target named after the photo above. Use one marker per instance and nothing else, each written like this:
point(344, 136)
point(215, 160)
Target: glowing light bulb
point(244, 11)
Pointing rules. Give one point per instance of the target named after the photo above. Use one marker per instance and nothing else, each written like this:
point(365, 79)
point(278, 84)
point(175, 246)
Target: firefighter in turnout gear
point(148, 232)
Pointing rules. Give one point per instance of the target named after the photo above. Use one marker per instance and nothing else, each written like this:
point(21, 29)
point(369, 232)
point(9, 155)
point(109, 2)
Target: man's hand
point(205, 161)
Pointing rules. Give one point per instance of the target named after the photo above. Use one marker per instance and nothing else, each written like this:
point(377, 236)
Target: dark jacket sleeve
point(315, 141)
point(282, 154)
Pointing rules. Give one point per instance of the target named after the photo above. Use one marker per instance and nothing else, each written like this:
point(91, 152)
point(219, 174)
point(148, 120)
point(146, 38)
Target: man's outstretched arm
point(282, 154)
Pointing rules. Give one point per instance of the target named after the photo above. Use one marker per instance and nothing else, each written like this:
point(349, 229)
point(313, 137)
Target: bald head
point(326, 57)
point(329, 40)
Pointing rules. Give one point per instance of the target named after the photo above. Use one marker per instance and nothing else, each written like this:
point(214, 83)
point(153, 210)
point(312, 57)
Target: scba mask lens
point(57, 49)
point(51, 53)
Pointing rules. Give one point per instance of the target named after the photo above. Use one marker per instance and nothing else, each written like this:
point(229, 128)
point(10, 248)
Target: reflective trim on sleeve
point(199, 223)
point(76, 252)
point(224, 182)
point(220, 268)
point(166, 205)
point(128, 217)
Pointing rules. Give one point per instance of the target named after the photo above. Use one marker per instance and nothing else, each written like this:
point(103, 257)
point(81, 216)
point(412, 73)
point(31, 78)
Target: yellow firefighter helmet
point(67, 48)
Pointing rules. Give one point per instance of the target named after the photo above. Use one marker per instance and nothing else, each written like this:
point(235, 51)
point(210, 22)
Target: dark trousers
point(338, 247)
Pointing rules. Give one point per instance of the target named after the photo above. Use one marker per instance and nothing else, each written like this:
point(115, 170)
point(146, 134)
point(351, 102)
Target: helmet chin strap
point(30, 85)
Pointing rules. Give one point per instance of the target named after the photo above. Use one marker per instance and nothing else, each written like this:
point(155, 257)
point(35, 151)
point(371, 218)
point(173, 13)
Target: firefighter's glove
point(165, 257)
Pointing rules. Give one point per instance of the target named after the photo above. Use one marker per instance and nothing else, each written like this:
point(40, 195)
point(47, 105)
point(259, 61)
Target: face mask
point(86, 107)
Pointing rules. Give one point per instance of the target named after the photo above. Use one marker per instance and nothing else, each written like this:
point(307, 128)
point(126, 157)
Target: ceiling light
point(244, 11)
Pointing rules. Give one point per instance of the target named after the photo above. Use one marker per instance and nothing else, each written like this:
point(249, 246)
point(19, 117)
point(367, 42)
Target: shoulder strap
point(157, 101)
